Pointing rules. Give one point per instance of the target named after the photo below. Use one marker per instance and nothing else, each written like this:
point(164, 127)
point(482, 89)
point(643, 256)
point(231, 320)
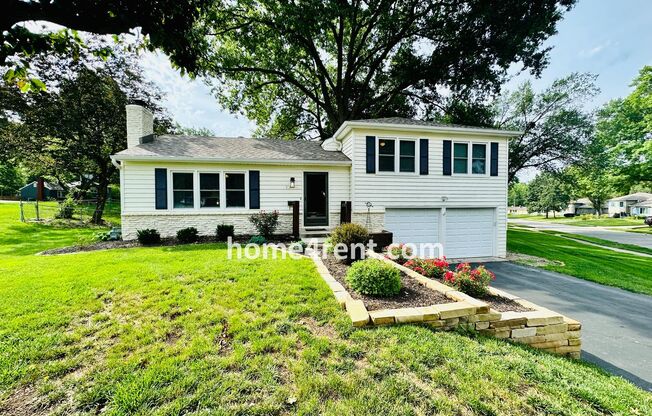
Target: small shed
point(50, 191)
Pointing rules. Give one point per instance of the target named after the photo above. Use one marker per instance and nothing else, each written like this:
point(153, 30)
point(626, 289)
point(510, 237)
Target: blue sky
point(610, 38)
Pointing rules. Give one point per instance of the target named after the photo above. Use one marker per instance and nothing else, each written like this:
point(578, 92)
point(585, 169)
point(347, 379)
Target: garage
point(412, 225)
point(470, 232)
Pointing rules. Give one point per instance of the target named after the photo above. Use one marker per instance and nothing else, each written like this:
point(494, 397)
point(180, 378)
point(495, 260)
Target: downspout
point(119, 166)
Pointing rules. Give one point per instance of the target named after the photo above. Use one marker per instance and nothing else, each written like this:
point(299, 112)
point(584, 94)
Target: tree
point(300, 69)
point(193, 131)
point(168, 24)
point(81, 121)
point(625, 127)
point(554, 124)
point(547, 193)
point(517, 195)
point(11, 179)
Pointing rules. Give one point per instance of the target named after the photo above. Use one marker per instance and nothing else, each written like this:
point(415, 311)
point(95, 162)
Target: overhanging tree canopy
point(303, 68)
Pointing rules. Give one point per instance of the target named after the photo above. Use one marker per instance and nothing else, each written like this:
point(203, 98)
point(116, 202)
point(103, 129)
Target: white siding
point(392, 190)
point(275, 192)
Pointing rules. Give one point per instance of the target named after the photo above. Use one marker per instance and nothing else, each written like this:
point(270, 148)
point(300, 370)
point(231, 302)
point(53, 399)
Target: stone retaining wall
point(540, 328)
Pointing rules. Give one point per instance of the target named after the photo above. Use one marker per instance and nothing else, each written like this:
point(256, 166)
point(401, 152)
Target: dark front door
point(315, 207)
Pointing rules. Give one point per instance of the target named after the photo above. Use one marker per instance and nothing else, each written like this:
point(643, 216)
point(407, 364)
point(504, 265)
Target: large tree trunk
point(102, 196)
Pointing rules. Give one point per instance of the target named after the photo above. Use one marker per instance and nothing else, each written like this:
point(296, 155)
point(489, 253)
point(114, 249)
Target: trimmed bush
point(224, 231)
point(349, 235)
point(265, 223)
point(148, 236)
point(400, 253)
point(374, 277)
point(257, 239)
point(187, 235)
point(473, 282)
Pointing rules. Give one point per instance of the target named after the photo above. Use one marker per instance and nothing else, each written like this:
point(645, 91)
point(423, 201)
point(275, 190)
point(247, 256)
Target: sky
point(610, 38)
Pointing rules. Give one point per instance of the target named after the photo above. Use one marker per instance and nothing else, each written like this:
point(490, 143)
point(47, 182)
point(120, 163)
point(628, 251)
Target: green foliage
point(348, 241)
point(192, 131)
point(473, 282)
point(265, 223)
point(302, 69)
point(547, 193)
point(148, 237)
point(224, 231)
point(11, 179)
point(257, 239)
point(625, 128)
point(187, 235)
point(103, 236)
point(517, 194)
point(66, 207)
point(374, 277)
point(554, 123)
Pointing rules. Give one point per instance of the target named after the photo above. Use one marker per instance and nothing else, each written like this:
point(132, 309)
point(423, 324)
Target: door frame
point(326, 220)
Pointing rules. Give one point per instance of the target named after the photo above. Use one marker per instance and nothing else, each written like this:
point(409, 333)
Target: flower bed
point(537, 327)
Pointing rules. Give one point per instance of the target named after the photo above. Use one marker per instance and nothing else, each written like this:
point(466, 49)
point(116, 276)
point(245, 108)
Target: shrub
point(374, 277)
point(66, 208)
point(433, 268)
point(187, 235)
point(265, 223)
point(399, 253)
point(473, 282)
point(224, 231)
point(349, 235)
point(257, 239)
point(103, 236)
point(148, 236)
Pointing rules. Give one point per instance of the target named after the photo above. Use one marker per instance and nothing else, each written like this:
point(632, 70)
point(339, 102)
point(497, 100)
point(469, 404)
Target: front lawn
point(600, 241)
point(601, 265)
point(177, 330)
point(580, 221)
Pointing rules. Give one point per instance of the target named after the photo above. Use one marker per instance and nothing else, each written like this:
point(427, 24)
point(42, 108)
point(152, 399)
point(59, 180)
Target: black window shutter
point(423, 156)
point(493, 170)
point(254, 189)
point(371, 154)
point(447, 157)
point(161, 188)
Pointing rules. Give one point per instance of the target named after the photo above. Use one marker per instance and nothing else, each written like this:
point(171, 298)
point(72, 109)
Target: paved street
point(639, 239)
point(616, 325)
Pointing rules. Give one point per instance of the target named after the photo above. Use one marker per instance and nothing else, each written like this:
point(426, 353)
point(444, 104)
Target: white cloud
point(589, 53)
point(190, 102)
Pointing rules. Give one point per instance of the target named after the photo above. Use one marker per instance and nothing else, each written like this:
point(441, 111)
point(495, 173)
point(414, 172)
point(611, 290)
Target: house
point(584, 206)
point(625, 204)
point(643, 208)
point(424, 182)
point(50, 191)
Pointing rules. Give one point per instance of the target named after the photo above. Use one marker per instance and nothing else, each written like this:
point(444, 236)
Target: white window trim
point(469, 157)
point(397, 155)
point(196, 190)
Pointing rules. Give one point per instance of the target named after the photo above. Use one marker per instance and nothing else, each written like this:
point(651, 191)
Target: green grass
point(601, 265)
point(580, 221)
point(606, 243)
point(645, 230)
point(83, 211)
point(177, 330)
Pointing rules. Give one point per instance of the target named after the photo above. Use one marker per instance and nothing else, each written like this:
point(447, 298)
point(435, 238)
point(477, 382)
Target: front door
point(315, 206)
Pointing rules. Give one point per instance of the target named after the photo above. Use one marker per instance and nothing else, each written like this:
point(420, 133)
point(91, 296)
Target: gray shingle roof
point(232, 148)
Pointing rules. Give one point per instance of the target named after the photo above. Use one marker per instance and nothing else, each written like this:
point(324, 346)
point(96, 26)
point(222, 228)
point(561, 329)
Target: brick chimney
point(140, 124)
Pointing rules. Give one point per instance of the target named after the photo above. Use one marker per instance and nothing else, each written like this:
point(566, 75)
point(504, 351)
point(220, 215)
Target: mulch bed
point(412, 293)
point(502, 304)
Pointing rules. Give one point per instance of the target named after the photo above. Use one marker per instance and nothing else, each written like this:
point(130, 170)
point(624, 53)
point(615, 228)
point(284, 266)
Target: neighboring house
point(643, 208)
point(625, 204)
point(50, 191)
point(517, 210)
point(584, 206)
point(424, 182)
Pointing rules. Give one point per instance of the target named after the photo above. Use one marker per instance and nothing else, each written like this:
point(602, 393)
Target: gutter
point(119, 157)
point(115, 163)
point(348, 125)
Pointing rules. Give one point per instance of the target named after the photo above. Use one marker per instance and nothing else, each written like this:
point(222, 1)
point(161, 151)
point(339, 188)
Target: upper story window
point(182, 190)
point(386, 151)
point(235, 190)
point(460, 158)
point(622, 204)
point(479, 159)
point(407, 157)
point(209, 190)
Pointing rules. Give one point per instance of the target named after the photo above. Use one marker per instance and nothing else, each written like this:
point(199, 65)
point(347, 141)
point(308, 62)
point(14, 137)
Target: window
point(407, 149)
point(386, 150)
point(235, 190)
point(622, 204)
point(209, 190)
point(460, 158)
point(479, 159)
point(182, 190)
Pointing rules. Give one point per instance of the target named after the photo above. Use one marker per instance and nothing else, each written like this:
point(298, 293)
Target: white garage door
point(411, 225)
point(469, 232)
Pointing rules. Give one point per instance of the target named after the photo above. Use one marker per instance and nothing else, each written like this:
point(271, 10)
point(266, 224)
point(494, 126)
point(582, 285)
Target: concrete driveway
point(616, 325)
point(605, 233)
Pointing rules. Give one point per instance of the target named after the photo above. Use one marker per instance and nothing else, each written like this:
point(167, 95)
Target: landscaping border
point(539, 328)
